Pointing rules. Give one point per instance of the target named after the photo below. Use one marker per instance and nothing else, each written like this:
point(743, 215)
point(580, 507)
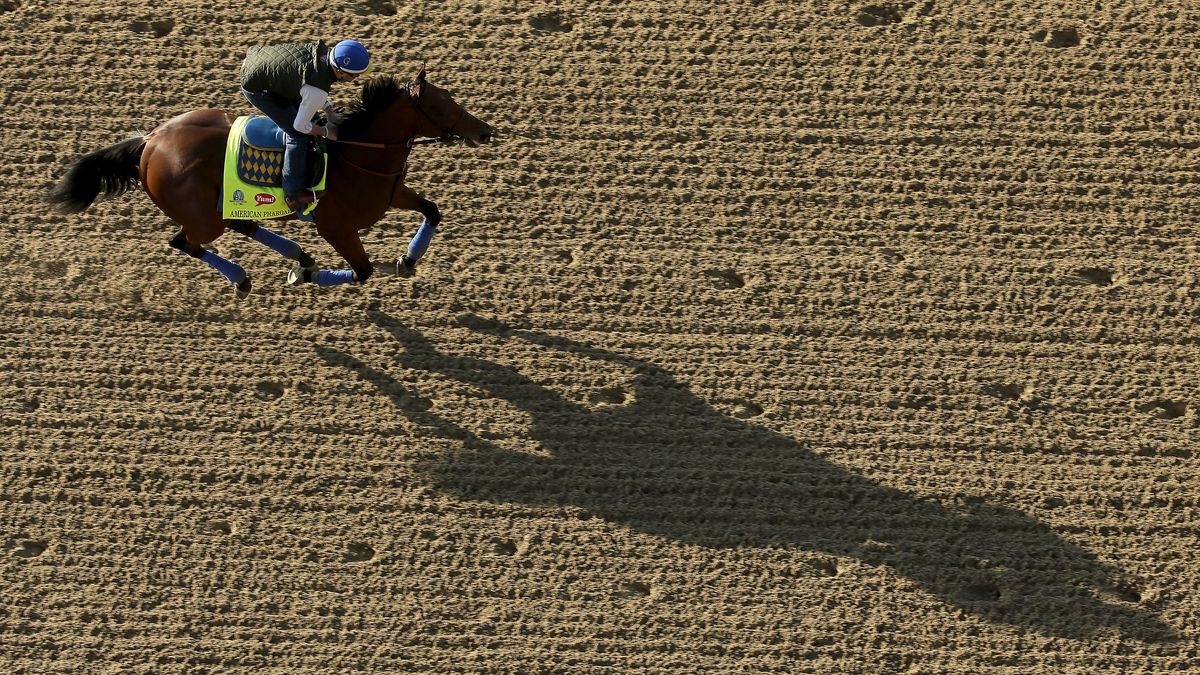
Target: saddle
point(252, 187)
point(260, 158)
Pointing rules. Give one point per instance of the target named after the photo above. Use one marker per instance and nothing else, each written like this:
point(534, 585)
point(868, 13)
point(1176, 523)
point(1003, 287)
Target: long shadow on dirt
point(667, 463)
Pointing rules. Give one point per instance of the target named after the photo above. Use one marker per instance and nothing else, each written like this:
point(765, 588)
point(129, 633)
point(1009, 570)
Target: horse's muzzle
point(478, 136)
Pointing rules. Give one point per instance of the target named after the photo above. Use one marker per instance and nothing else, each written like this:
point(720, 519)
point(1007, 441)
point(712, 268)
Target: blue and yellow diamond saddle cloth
point(253, 185)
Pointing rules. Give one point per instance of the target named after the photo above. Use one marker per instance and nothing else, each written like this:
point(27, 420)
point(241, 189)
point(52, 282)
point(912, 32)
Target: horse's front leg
point(344, 239)
point(405, 197)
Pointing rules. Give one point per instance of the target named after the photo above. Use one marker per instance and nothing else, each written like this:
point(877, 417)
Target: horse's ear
point(420, 82)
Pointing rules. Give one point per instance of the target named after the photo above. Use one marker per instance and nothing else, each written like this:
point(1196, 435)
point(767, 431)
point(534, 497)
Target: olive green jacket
point(283, 69)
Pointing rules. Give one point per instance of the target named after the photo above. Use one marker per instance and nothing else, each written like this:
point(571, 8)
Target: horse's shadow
point(667, 463)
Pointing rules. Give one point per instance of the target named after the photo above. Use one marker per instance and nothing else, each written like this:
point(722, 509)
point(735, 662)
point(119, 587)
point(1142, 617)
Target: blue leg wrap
point(420, 242)
point(230, 270)
point(281, 245)
point(334, 277)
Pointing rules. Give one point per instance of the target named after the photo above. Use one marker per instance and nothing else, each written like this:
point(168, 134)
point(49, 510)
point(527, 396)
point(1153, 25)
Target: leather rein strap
point(382, 146)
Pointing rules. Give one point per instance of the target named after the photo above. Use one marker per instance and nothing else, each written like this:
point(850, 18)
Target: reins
point(377, 146)
point(409, 142)
point(383, 146)
point(448, 136)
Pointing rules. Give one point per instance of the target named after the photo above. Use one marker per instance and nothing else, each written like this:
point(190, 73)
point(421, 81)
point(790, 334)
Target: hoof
point(296, 275)
point(243, 288)
point(406, 267)
point(384, 268)
point(401, 268)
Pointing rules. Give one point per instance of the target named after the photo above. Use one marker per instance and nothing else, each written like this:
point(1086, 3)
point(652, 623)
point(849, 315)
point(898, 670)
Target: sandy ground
point(774, 337)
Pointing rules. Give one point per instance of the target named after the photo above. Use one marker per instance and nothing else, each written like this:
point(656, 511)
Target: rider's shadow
point(667, 463)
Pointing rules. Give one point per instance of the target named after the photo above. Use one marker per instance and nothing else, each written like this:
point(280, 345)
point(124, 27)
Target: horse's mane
point(378, 93)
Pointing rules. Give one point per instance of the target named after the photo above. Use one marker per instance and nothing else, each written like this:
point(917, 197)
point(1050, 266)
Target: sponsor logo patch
point(239, 197)
point(263, 199)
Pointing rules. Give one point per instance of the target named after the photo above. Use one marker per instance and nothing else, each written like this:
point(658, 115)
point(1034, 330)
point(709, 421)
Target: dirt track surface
point(774, 337)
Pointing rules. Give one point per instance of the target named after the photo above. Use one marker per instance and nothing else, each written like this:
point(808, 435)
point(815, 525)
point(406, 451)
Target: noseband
point(448, 134)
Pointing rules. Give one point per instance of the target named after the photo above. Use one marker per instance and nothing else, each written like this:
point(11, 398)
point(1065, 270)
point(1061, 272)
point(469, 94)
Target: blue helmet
point(349, 56)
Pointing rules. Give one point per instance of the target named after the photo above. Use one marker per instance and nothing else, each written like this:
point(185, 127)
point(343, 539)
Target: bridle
point(448, 135)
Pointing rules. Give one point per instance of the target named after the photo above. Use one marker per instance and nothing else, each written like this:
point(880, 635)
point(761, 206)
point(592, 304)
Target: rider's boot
point(300, 203)
point(294, 194)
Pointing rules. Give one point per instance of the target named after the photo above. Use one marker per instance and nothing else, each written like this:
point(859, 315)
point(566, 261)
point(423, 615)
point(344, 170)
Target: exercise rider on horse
point(290, 83)
point(180, 163)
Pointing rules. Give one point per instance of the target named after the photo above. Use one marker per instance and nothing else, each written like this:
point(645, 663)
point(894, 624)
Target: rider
point(289, 83)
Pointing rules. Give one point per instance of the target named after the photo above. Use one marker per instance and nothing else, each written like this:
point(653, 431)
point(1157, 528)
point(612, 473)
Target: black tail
point(111, 171)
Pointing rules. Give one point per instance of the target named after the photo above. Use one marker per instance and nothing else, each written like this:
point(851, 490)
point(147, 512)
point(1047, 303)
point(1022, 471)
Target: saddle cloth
point(252, 188)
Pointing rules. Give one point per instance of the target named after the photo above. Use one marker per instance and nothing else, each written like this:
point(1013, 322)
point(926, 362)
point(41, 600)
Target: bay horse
point(180, 166)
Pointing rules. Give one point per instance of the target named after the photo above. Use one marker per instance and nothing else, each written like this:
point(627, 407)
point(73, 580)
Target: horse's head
point(442, 117)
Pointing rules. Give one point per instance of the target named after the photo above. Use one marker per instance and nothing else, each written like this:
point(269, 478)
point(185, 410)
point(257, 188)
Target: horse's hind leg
point(228, 269)
point(181, 172)
point(281, 245)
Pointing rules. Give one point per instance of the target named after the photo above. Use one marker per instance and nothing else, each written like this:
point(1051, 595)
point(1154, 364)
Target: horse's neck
point(385, 162)
point(395, 125)
point(382, 150)
point(394, 129)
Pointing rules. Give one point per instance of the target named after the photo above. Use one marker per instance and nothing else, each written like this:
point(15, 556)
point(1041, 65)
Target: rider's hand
point(334, 116)
point(331, 131)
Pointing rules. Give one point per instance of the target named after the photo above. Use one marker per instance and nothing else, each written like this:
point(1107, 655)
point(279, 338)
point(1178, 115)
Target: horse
point(180, 166)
